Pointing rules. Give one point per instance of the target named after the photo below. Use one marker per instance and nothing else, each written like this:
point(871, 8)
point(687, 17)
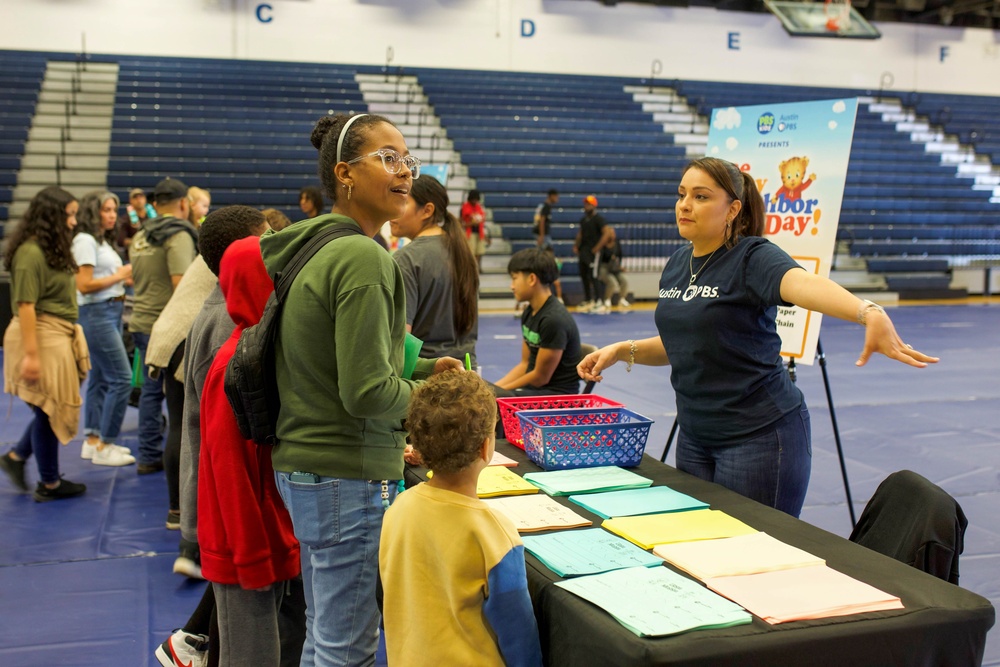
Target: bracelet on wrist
point(631, 356)
point(863, 308)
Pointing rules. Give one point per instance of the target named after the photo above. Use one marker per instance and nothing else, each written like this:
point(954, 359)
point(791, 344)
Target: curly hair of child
point(449, 418)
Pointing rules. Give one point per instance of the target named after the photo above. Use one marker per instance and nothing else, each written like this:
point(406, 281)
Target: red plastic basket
point(509, 407)
point(584, 438)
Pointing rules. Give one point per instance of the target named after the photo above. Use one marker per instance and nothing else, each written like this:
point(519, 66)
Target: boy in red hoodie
point(248, 550)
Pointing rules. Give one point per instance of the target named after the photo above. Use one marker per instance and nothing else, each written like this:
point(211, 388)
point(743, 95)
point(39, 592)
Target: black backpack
point(251, 381)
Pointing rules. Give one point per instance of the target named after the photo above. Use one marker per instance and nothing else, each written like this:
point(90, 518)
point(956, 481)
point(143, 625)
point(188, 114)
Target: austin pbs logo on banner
point(798, 154)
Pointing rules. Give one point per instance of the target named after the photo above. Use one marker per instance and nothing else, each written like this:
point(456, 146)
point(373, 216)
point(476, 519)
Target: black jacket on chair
point(914, 521)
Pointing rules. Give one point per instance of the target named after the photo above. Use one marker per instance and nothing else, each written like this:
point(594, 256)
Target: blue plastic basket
point(509, 407)
point(584, 437)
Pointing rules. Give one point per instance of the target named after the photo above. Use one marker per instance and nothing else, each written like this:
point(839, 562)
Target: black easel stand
point(836, 431)
point(833, 418)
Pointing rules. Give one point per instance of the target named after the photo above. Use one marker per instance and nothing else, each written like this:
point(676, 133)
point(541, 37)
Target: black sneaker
point(14, 470)
point(173, 519)
point(66, 489)
point(149, 468)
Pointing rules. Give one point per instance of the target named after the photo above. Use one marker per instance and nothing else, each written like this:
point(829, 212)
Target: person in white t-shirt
point(100, 283)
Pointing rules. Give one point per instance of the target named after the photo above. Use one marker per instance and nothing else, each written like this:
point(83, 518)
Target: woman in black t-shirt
point(743, 424)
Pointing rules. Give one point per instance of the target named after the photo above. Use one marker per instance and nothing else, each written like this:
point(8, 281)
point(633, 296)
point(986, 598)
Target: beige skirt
point(65, 361)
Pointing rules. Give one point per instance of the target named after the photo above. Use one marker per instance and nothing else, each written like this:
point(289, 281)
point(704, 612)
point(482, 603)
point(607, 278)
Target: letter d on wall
point(527, 28)
point(263, 12)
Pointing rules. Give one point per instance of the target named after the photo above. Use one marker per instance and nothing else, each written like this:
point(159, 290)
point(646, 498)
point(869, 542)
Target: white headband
point(343, 133)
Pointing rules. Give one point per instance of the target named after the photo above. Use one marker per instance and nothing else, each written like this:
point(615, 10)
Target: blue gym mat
point(88, 581)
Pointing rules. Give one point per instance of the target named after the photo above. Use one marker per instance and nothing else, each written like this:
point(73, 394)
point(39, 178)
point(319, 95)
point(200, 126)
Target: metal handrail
point(411, 96)
point(420, 124)
point(61, 155)
point(66, 123)
point(74, 85)
point(436, 143)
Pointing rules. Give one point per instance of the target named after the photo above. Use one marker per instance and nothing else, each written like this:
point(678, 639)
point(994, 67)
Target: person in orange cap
point(593, 235)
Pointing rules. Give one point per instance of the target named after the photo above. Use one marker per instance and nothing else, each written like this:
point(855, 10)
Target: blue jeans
point(338, 523)
point(40, 440)
point(150, 408)
point(770, 466)
point(109, 382)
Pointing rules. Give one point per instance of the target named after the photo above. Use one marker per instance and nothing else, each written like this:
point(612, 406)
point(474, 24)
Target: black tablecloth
point(942, 624)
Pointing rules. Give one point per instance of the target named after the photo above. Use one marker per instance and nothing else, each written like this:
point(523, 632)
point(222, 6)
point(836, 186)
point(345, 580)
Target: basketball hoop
point(838, 15)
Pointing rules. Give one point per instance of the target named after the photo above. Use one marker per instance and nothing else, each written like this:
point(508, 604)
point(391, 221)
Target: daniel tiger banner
point(798, 154)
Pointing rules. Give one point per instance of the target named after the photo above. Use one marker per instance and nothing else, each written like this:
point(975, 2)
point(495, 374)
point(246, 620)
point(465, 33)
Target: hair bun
point(323, 127)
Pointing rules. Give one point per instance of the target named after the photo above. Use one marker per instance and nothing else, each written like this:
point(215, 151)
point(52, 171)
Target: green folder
point(411, 352)
point(137, 374)
point(587, 480)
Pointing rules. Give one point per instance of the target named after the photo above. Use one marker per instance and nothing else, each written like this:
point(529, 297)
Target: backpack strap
point(283, 279)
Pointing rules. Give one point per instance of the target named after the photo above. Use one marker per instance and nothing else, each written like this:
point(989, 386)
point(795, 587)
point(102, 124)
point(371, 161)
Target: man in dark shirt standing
point(543, 220)
point(594, 234)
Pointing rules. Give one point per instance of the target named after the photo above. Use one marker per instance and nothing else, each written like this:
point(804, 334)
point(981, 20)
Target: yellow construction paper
point(500, 481)
point(651, 529)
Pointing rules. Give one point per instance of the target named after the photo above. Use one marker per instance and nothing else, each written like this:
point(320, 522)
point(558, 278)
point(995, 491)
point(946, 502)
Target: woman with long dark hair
point(100, 285)
point(439, 272)
point(45, 354)
point(743, 423)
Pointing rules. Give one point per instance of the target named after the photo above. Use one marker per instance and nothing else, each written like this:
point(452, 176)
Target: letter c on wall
point(263, 13)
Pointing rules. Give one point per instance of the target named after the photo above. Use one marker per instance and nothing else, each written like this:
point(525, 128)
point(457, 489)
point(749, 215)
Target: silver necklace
point(694, 275)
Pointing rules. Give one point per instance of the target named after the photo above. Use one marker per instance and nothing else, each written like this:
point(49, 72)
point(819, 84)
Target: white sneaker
point(111, 455)
point(87, 451)
point(183, 648)
point(188, 567)
point(624, 303)
point(585, 306)
point(599, 309)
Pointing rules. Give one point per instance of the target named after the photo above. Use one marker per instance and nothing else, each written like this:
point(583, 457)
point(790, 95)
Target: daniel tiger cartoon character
point(792, 171)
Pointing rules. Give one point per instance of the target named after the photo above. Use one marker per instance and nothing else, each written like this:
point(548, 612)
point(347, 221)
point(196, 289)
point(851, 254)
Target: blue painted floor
point(88, 582)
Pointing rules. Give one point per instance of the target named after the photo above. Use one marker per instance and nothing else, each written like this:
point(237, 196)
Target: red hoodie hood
point(244, 282)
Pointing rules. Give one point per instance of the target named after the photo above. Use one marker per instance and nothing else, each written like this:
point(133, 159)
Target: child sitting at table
point(452, 568)
point(550, 349)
